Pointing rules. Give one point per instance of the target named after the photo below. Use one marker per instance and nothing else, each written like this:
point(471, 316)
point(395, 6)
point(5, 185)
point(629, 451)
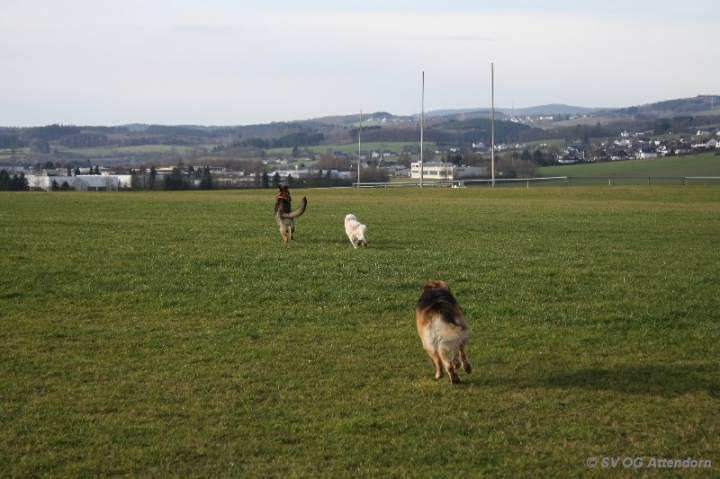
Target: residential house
point(646, 153)
point(705, 145)
point(623, 143)
point(402, 173)
point(619, 156)
point(663, 150)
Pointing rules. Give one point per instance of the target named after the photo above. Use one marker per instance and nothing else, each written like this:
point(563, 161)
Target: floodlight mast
point(492, 123)
point(422, 127)
point(13, 147)
point(359, 134)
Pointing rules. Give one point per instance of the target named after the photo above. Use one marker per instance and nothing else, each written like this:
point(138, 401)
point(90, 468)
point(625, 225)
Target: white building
point(80, 182)
point(313, 173)
point(712, 143)
point(646, 153)
point(445, 171)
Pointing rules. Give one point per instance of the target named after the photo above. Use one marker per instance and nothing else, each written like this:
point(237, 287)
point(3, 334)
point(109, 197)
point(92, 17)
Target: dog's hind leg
point(283, 233)
point(467, 367)
point(449, 363)
point(436, 360)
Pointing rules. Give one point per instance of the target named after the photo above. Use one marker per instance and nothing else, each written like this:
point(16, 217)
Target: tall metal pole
point(359, 134)
point(13, 144)
point(492, 124)
point(422, 128)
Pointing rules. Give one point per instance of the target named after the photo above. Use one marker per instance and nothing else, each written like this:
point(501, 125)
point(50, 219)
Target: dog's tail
point(299, 211)
point(449, 312)
point(441, 302)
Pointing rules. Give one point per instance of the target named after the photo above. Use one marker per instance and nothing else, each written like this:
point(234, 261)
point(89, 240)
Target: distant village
point(628, 146)
point(641, 145)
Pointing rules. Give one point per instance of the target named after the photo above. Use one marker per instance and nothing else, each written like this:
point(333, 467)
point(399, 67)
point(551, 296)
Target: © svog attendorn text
point(647, 462)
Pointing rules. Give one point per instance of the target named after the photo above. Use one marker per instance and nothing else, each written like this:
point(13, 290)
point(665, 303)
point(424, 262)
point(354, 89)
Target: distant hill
point(378, 116)
point(457, 114)
point(455, 127)
point(553, 109)
point(699, 105)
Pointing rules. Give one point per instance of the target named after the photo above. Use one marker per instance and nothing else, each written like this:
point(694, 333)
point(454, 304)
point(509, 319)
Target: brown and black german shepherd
point(443, 329)
point(284, 216)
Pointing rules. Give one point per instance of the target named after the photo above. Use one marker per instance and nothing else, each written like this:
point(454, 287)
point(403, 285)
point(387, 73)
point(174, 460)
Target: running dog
point(284, 216)
point(443, 329)
point(355, 231)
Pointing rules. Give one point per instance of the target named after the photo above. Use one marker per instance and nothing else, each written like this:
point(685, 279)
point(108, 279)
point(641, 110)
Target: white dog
point(355, 231)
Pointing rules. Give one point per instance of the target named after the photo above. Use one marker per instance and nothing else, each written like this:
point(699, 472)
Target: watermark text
point(647, 463)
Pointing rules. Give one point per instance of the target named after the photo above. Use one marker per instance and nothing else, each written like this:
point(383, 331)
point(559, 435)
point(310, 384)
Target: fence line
point(558, 181)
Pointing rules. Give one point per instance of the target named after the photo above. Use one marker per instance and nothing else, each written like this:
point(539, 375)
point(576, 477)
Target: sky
point(237, 62)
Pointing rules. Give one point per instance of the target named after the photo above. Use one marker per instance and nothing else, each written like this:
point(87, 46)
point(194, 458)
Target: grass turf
point(160, 334)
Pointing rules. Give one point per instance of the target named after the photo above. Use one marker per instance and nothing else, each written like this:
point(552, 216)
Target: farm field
point(704, 164)
point(352, 148)
point(348, 149)
point(173, 334)
point(108, 151)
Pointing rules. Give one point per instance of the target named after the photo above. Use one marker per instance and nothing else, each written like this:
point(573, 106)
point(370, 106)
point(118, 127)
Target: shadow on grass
point(667, 380)
point(344, 242)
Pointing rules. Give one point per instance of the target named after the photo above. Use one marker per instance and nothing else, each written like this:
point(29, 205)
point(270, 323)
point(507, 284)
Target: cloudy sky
point(237, 62)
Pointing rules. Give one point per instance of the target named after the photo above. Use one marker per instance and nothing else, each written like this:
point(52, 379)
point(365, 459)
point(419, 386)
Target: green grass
point(173, 334)
point(704, 164)
point(108, 151)
point(348, 149)
point(351, 149)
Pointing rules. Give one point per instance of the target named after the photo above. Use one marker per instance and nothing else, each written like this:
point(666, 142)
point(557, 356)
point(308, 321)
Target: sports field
point(173, 334)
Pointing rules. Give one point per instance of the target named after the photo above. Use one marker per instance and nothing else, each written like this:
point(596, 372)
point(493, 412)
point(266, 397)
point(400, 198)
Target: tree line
point(13, 183)
point(181, 178)
point(293, 140)
point(453, 132)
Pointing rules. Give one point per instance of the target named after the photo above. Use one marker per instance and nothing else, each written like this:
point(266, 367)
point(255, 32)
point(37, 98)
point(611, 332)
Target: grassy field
point(351, 149)
point(173, 334)
point(108, 151)
point(705, 164)
point(348, 149)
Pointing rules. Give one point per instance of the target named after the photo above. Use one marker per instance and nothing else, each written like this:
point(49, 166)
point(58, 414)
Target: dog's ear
point(280, 188)
point(436, 285)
